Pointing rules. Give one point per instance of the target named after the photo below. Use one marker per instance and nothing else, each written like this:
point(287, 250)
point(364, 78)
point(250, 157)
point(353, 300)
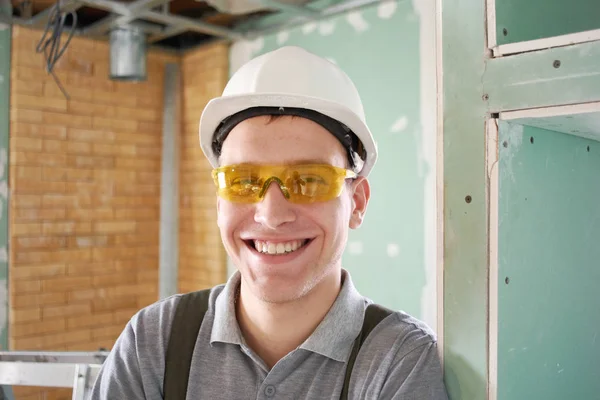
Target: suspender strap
point(374, 314)
point(184, 332)
point(186, 324)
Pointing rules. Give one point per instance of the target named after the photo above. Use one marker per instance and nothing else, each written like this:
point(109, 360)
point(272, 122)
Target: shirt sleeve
point(134, 368)
point(416, 376)
point(120, 376)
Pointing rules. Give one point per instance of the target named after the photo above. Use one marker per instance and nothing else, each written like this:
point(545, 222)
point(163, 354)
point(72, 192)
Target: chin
point(285, 288)
point(284, 278)
point(271, 287)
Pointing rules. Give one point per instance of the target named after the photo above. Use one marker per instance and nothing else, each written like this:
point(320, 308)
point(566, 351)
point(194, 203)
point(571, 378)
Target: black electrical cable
point(51, 46)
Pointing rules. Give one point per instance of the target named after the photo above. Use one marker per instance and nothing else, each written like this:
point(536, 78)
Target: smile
point(278, 248)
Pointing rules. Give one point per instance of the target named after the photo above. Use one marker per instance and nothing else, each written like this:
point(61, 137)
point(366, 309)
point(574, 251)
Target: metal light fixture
point(127, 54)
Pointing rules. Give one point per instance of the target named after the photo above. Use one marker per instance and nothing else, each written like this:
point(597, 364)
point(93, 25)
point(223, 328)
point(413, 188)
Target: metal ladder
point(76, 370)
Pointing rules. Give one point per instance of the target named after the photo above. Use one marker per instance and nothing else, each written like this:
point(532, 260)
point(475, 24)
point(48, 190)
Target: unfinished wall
point(84, 198)
point(548, 276)
point(202, 258)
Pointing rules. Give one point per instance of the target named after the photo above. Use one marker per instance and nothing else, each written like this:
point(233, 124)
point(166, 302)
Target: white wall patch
point(400, 124)
point(283, 37)
point(326, 28)
point(309, 28)
point(3, 254)
point(355, 18)
point(386, 9)
point(1, 79)
point(3, 27)
point(355, 248)
point(393, 250)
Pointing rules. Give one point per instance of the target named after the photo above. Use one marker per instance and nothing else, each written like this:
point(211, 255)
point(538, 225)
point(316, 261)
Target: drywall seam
point(552, 111)
point(439, 180)
point(492, 199)
point(425, 9)
point(490, 6)
point(546, 43)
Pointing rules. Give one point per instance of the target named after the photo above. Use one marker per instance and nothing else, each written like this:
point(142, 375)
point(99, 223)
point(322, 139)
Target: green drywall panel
point(519, 20)
point(5, 41)
point(549, 225)
point(585, 125)
point(531, 80)
point(465, 276)
point(386, 255)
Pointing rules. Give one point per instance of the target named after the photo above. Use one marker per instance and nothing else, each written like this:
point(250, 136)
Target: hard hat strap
point(349, 140)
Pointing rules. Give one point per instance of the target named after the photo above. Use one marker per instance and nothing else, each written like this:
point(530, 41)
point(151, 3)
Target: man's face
point(318, 231)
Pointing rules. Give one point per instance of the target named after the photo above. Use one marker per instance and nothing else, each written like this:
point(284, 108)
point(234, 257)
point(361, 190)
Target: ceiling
point(180, 24)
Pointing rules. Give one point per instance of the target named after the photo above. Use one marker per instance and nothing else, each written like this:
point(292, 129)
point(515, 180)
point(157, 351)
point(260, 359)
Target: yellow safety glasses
point(303, 183)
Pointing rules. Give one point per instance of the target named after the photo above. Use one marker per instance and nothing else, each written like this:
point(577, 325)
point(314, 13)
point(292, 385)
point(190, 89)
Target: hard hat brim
point(222, 107)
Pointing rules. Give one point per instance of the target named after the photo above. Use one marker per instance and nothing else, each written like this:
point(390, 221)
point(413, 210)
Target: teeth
point(277, 248)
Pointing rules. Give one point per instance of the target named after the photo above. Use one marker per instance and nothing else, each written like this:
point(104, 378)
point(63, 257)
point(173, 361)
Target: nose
point(274, 209)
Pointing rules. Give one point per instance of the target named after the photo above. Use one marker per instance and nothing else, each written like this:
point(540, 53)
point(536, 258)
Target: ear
point(361, 193)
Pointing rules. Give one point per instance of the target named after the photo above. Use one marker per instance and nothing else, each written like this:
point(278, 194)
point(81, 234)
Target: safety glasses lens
point(300, 184)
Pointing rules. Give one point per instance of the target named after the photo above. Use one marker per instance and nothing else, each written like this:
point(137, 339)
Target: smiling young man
point(291, 153)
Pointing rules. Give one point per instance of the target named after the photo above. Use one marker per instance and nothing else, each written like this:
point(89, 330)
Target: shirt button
point(270, 391)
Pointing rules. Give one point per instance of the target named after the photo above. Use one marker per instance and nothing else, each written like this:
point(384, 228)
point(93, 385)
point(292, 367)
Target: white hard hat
point(290, 77)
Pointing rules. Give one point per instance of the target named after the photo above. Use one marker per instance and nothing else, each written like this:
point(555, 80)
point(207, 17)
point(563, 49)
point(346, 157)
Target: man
point(291, 152)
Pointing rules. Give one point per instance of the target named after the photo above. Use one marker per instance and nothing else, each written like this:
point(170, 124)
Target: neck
point(273, 330)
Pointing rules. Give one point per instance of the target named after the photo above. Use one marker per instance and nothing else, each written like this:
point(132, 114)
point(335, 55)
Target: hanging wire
point(51, 46)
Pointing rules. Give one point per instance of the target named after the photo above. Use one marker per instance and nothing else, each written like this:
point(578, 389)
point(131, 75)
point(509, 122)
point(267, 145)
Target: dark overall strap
point(184, 333)
point(374, 314)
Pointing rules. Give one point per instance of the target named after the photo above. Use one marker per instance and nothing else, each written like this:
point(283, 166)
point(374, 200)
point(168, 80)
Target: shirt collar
point(335, 335)
point(225, 326)
point(332, 338)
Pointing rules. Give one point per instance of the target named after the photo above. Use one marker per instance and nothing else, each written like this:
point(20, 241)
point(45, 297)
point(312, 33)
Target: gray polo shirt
point(399, 359)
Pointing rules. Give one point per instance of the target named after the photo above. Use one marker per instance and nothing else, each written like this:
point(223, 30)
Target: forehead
point(283, 140)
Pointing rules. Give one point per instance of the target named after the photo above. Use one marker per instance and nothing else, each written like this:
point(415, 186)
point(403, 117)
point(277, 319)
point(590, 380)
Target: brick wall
point(202, 258)
point(84, 202)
